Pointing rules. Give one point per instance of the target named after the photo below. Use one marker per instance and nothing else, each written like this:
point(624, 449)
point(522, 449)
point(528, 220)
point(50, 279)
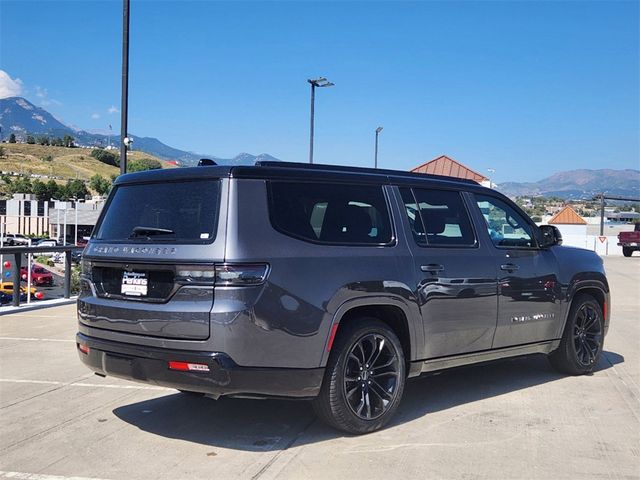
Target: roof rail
point(368, 170)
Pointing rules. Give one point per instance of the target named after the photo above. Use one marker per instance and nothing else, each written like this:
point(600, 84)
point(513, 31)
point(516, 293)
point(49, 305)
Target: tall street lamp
point(125, 87)
point(491, 172)
point(375, 161)
point(318, 82)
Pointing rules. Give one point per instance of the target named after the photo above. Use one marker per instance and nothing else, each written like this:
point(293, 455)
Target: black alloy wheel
point(583, 338)
point(587, 334)
point(371, 376)
point(364, 377)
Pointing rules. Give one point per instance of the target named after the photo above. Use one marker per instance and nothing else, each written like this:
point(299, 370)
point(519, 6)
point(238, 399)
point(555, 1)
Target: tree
point(143, 164)
point(12, 138)
point(40, 190)
point(31, 140)
point(76, 189)
point(68, 141)
point(21, 185)
point(100, 184)
point(53, 190)
point(105, 157)
point(1, 152)
point(44, 140)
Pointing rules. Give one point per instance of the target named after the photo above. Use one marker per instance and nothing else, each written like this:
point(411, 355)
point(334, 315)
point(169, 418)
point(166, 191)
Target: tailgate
point(144, 299)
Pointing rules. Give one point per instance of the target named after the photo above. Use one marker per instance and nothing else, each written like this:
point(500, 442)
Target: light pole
point(491, 171)
point(125, 87)
point(375, 160)
point(318, 82)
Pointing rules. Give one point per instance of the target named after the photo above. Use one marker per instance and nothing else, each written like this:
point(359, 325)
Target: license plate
point(134, 284)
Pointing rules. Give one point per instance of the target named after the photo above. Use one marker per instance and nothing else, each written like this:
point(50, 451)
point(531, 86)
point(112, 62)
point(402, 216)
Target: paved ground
point(515, 419)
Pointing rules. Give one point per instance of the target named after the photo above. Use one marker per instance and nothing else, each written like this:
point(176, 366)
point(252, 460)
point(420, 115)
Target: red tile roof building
point(567, 216)
point(449, 167)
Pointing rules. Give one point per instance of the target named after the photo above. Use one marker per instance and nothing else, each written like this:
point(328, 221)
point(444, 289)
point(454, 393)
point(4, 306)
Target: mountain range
point(578, 184)
point(21, 117)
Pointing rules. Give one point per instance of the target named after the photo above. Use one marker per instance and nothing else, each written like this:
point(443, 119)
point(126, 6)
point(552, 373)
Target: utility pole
point(125, 87)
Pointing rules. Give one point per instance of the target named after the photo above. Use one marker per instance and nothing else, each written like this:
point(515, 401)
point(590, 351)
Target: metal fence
point(18, 252)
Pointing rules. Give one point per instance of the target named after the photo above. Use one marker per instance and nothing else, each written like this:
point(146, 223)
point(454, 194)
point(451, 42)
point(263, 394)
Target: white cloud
point(9, 87)
point(41, 92)
point(95, 116)
point(112, 109)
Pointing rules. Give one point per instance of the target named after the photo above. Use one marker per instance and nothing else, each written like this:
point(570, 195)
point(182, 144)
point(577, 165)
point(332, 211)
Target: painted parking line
point(40, 476)
point(82, 384)
point(34, 339)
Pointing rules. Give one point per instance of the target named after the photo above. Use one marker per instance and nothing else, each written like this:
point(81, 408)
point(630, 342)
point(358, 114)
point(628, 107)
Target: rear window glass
point(330, 213)
point(178, 212)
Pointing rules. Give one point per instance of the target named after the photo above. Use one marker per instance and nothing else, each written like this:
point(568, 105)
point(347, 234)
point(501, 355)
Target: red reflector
point(332, 336)
point(189, 367)
point(84, 349)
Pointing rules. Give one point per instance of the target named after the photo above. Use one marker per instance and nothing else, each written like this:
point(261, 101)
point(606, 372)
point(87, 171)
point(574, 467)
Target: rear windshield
point(175, 212)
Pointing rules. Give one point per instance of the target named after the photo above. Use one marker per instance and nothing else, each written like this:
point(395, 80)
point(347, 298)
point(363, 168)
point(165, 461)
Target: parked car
point(39, 275)
point(16, 239)
point(7, 287)
point(327, 283)
point(47, 242)
point(630, 241)
point(7, 298)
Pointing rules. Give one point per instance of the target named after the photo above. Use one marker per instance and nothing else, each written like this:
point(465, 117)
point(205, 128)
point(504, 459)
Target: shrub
point(143, 164)
point(45, 260)
point(106, 157)
point(75, 279)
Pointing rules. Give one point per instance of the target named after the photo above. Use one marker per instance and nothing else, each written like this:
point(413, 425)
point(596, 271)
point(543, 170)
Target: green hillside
point(60, 162)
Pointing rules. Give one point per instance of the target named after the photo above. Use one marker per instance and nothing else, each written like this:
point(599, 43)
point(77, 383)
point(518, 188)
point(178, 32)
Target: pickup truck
point(15, 239)
point(630, 241)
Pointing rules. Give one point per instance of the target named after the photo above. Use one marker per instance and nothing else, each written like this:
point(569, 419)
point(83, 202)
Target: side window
point(506, 227)
point(438, 217)
point(444, 217)
point(330, 213)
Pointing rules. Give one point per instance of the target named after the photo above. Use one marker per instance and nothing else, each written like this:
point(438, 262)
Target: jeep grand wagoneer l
point(327, 283)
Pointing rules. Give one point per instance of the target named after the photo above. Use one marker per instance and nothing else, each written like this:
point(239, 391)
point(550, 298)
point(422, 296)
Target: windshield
point(175, 212)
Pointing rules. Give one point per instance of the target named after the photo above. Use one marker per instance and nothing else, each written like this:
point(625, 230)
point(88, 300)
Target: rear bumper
point(225, 377)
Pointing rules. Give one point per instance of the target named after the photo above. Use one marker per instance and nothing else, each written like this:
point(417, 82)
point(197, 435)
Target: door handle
point(510, 267)
point(432, 268)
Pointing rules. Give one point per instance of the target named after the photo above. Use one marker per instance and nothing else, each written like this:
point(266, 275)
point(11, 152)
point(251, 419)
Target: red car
point(39, 275)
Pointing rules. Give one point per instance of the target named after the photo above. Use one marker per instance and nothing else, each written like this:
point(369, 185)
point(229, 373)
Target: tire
point(627, 251)
point(582, 340)
point(356, 345)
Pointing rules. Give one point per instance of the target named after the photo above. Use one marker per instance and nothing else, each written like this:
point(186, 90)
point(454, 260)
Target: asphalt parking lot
point(507, 420)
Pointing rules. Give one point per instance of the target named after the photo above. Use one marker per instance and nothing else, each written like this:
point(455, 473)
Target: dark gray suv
point(327, 283)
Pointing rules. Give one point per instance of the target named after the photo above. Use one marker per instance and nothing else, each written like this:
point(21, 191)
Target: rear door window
point(438, 217)
point(331, 213)
point(175, 212)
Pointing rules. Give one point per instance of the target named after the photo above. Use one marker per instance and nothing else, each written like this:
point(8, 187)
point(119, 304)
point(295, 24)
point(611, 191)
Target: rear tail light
point(84, 349)
point(85, 268)
point(238, 274)
point(241, 274)
point(196, 274)
point(188, 367)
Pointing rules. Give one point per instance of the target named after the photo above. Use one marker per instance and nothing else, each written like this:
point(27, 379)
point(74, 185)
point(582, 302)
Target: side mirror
point(550, 236)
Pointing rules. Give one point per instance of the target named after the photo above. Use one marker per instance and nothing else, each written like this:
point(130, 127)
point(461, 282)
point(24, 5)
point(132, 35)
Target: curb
point(37, 305)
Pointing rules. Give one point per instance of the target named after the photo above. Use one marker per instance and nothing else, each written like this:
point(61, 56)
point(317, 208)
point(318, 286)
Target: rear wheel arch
point(391, 315)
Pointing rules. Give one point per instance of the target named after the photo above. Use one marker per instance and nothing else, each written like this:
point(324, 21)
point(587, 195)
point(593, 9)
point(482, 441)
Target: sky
point(527, 88)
